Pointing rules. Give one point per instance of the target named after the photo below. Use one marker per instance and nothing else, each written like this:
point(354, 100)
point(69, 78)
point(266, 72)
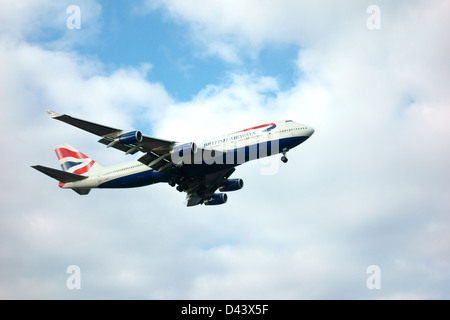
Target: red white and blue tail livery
point(197, 169)
point(73, 161)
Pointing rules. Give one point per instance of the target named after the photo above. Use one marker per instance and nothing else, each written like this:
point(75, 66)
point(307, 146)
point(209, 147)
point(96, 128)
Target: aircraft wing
point(157, 151)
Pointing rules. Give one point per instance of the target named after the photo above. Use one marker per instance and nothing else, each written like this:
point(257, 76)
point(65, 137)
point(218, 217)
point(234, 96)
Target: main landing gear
point(284, 158)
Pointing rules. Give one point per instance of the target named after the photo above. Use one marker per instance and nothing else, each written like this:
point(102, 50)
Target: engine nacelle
point(129, 137)
point(216, 198)
point(232, 185)
point(180, 149)
point(182, 153)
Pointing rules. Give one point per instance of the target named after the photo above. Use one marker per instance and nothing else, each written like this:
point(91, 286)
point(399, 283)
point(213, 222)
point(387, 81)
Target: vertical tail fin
point(73, 161)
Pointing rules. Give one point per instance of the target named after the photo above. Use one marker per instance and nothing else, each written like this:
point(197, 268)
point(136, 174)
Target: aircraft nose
point(309, 131)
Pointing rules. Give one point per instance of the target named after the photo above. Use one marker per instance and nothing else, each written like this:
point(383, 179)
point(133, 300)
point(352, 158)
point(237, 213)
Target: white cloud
point(235, 31)
point(45, 21)
point(231, 103)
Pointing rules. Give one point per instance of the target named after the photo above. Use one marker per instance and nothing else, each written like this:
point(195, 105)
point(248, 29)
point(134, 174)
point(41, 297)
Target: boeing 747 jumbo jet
point(197, 169)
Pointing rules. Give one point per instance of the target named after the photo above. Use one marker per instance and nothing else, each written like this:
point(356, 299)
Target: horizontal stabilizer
point(81, 192)
point(59, 175)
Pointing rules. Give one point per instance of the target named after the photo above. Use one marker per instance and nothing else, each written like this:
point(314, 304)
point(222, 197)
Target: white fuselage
point(279, 131)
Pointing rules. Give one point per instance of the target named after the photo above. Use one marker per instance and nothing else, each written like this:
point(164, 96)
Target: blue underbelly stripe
point(139, 179)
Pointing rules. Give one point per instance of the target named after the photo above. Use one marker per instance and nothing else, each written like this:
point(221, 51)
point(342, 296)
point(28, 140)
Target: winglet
point(53, 114)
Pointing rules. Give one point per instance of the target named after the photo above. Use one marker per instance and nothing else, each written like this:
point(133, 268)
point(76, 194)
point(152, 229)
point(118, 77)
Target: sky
point(360, 211)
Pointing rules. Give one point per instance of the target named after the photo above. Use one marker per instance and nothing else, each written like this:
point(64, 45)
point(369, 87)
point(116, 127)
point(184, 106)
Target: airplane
point(197, 169)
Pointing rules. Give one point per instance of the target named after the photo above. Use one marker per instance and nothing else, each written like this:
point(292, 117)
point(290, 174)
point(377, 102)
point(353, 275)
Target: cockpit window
point(289, 121)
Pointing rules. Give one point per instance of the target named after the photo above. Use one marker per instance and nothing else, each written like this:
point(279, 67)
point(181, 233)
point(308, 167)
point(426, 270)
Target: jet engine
point(180, 149)
point(182, 153)
point(232, 185)
point(217, 198)
point(129, 137)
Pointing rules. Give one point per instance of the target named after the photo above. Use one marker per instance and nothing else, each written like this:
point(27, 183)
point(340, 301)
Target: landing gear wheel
point(284, 158)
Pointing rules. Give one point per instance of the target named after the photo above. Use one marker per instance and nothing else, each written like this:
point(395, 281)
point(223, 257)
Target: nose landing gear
point(284, 158)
